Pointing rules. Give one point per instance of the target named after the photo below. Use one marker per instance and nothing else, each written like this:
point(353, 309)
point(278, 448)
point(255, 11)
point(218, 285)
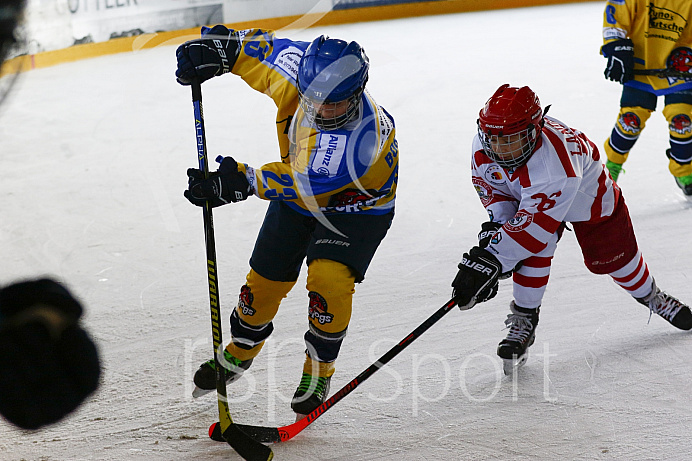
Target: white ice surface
point(93, 159)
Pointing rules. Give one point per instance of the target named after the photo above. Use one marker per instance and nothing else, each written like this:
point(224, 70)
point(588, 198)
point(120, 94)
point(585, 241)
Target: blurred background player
point(48, 363)
point(331, 195)
point(650, 34)
point(533, 174)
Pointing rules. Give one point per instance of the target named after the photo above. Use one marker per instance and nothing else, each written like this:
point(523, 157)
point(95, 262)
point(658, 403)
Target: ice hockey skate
point(514, 349)
point(310, 394)
point(205, 376)
point(671, 309)
point(685, 184)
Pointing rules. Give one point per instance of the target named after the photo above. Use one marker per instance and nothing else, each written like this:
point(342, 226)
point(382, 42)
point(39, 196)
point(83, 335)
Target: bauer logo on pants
point(318, 309)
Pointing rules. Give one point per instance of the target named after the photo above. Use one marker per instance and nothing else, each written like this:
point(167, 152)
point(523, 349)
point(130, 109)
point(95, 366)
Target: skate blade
point(197, 392)
point(509, 366)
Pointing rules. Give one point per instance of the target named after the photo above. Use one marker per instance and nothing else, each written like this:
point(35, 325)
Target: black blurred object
point(213, 54)
point(478, 278)
point(620, 54)
point(10, 12)
point(221, 187)
point(48, 364)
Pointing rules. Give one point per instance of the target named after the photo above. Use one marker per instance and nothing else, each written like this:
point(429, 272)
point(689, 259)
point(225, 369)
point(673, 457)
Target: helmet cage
point(509, 151)
point(313, 109)
point(509, 125)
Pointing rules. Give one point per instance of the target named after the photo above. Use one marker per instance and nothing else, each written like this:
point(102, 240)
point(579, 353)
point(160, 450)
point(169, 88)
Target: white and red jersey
point(563, 181)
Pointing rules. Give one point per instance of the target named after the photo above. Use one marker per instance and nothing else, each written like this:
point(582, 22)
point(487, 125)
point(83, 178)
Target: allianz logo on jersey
point(330, 150)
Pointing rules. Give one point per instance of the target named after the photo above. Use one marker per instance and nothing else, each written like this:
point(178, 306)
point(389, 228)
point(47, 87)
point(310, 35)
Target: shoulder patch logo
point(287, 61)
point(484, 191)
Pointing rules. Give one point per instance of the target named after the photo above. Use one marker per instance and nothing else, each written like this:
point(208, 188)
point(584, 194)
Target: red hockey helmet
point(509, 125)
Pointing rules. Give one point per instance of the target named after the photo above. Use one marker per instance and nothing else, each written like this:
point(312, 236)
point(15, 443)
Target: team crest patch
point(681, 124)
point(494, 174)
point(519, 222)
point(680, 59)
point(354, 200)
point(484, 191)
point(630, 123)
point(317, 309)
point(245, 301)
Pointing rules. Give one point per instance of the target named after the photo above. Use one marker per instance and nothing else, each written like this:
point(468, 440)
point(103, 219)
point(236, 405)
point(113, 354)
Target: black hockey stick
point(285, 433)
point(246, 446)
point(664, 73)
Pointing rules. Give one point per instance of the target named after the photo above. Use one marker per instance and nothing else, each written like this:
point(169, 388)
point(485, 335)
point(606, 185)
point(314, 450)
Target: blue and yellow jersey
point(662, 38)
point(349, 170)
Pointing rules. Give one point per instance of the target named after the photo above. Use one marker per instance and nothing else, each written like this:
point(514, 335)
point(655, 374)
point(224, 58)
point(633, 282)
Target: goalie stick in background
point(639, 36)
point(331, 194)
point(534, 174)
point(48, 363)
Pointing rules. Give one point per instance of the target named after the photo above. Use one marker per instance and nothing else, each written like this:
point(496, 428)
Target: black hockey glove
point(477, 279)
point(488, 230)
point(221, 187)
point(48, 364)
point(620, 54)
point(203, 58)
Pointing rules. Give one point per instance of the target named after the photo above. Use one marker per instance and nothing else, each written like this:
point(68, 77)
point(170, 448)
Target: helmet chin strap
point(545, 111)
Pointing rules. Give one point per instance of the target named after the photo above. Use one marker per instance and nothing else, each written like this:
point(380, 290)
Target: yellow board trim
point(373, 13)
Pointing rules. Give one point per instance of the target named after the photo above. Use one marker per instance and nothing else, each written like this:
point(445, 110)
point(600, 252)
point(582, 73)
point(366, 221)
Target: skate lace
point(520, 327)
point(231, 363)
point(313, 384)
point(664, 305)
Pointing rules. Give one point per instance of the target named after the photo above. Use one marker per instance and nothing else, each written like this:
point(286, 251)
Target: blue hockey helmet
point(330, 72)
